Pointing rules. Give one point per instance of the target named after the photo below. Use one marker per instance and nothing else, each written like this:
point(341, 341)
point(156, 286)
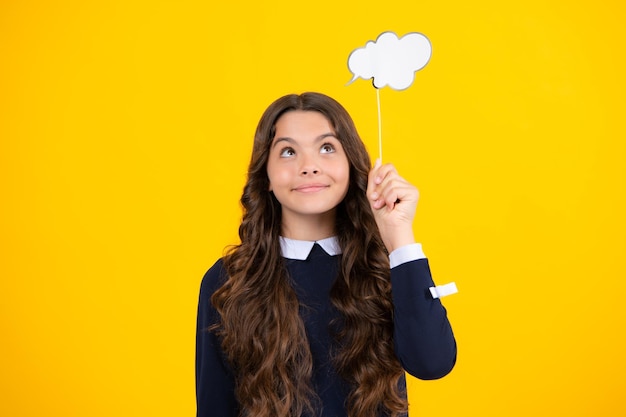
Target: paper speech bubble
point(391, 60)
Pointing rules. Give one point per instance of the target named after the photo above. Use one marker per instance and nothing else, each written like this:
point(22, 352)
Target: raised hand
point(394, 201)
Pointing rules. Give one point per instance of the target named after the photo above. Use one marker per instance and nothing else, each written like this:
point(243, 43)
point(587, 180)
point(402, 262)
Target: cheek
point(342, 174)
point(277, 177)
point(345, 169)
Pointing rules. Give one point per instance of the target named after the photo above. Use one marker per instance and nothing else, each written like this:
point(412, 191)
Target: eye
point(327, 148)
point(287, 152)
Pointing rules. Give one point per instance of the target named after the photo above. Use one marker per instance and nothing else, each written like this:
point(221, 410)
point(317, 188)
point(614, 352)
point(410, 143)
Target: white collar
point(300, 249)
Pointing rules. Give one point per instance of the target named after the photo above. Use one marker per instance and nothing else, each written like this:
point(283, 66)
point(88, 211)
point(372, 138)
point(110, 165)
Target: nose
point(309, 166)
point(307, 171)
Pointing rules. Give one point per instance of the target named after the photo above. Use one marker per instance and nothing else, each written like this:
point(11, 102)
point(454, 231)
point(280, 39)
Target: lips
point(310, 188)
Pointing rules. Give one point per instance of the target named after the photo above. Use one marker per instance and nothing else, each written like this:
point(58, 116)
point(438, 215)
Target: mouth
point(310, 188)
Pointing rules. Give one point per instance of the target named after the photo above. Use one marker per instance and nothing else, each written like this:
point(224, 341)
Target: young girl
point(325, 303)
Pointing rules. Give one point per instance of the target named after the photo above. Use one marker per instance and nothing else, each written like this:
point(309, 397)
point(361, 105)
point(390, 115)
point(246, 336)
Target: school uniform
point(423, 338)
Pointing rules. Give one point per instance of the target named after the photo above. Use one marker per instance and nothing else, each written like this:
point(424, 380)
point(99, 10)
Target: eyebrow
point(293, 141)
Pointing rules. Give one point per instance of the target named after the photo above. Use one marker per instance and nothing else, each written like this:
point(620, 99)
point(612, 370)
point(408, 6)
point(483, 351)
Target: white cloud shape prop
point(391, 61)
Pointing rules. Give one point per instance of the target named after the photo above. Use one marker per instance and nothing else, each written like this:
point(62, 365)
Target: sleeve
point(215, 385)
point(423, 338)
point(406, 253)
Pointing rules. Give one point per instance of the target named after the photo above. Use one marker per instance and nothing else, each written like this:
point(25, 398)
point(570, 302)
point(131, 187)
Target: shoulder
point(213, 278)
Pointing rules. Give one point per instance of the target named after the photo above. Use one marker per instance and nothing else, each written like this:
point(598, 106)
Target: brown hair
point(261, 330)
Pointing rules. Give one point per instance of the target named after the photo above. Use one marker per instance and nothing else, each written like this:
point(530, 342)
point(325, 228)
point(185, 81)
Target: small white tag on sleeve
point(443, 290)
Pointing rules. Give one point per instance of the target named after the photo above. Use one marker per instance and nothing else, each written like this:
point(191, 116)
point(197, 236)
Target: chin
point(313, 209)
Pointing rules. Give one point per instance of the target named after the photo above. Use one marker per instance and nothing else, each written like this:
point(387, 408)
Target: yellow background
point(125, 132)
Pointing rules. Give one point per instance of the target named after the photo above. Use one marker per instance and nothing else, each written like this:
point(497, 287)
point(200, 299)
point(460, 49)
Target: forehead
point(298, 123)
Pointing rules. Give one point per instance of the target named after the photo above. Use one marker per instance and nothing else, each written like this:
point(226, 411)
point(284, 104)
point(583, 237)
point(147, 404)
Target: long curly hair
point(261, 331)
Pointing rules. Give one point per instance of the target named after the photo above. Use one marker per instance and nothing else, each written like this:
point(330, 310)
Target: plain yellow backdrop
point(125, 132)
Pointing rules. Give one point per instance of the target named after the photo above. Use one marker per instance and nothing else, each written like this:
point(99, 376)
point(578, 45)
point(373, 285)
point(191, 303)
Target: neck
point(302, 227)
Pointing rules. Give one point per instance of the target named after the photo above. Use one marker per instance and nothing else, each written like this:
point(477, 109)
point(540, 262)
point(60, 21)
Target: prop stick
point(390, 61)
point(380, 129)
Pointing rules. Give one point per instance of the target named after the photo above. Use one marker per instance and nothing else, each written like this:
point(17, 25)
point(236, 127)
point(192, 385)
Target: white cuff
point(406, 254)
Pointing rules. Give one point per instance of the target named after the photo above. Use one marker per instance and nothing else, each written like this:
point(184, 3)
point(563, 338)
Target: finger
point(378, 176)
point(396, 189)
point(387, 178)
point(383, 172)
point(393, 194)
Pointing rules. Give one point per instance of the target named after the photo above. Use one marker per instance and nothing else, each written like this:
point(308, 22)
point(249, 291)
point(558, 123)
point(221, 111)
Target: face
point(307, 167)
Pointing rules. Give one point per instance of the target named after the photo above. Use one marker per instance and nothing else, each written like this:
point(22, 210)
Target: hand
point(393, 201)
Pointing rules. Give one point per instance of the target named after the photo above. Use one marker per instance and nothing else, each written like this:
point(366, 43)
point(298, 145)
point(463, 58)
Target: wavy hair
point(261, 331)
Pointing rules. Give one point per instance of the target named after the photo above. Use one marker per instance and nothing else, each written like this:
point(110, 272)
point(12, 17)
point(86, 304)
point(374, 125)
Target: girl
point(325, 303)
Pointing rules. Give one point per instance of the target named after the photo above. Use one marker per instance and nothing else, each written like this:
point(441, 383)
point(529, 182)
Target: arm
point(214, 380)
point(423, 337)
